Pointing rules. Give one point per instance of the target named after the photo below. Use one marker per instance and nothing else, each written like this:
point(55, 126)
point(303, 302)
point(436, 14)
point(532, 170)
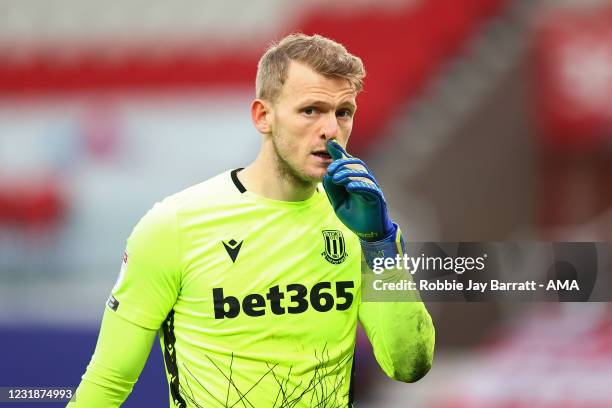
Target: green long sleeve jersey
point(256, 302)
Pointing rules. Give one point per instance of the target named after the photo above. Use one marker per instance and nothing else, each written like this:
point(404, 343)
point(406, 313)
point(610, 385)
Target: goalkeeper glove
point(356, 197)
point(360, 204)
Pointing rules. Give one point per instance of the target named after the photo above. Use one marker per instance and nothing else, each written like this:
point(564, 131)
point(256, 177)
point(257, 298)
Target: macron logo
point(233, 248)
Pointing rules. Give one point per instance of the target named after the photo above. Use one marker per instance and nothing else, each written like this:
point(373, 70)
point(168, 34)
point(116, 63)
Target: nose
point(330, 128)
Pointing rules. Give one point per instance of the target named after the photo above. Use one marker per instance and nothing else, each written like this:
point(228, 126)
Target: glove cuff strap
point(388, 247)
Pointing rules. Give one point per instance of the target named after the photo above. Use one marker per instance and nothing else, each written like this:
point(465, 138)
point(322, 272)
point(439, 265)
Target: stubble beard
point(291, 174)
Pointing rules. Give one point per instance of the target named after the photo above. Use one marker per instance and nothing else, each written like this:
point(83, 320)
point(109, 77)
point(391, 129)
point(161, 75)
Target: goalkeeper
point(253, 278)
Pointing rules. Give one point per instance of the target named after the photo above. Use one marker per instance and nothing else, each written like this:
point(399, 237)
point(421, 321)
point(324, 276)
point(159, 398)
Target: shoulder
point(217, 189)
point(163, 216)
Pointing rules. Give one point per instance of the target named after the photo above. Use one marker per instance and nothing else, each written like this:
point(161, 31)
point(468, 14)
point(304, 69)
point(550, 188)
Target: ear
point(261, 116)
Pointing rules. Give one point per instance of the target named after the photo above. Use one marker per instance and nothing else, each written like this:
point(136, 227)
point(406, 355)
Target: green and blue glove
point(360, 204)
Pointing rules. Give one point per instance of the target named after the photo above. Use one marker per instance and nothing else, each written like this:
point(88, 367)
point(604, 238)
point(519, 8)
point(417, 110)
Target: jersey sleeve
point(150, 277)
point(401, 332)
point(121, 353)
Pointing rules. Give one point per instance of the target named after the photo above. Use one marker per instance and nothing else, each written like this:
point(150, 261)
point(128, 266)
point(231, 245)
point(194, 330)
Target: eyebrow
point(314, 102)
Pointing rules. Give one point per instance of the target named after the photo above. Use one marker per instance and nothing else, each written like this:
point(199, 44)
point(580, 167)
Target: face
point(310, 110)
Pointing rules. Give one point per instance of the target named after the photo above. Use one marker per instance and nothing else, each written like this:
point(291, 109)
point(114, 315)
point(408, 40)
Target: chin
point(315, 176)
point(308, 174)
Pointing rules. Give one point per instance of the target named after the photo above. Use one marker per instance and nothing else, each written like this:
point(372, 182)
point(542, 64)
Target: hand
point(356, 197)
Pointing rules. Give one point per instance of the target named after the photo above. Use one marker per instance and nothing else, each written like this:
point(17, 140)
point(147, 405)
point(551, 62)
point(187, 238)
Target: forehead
point(303, 83)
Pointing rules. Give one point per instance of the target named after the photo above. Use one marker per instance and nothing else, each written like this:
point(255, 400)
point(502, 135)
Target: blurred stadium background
point(484, 120)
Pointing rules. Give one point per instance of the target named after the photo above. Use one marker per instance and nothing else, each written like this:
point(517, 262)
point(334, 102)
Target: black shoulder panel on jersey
point(237, 182)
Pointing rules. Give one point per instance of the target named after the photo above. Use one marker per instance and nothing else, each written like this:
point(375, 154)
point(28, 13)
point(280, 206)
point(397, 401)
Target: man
point(252, 278)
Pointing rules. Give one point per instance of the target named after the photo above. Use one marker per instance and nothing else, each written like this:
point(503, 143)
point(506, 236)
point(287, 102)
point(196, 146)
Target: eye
point(344, 113)
point(310, 111)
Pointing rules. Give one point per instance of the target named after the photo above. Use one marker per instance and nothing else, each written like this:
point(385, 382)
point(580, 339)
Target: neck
point(270, 178)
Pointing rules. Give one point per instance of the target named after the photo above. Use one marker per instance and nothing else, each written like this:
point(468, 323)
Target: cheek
point(288, 123)
point(349, 128)
point(345, 132)
point(296, 135)
point(287, 141)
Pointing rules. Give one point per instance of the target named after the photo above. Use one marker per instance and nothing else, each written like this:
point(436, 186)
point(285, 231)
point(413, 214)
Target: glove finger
point(336, 151)
point(336, 194)
point(368, 190)
point(347, 174)
point(353, 163)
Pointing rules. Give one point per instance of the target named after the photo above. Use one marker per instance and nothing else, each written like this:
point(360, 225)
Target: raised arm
point(401, 331)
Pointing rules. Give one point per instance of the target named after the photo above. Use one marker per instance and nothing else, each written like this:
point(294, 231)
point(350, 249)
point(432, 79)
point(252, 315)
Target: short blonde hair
point(321, 54)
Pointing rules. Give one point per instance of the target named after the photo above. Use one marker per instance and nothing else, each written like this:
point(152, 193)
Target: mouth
point(322, 155)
